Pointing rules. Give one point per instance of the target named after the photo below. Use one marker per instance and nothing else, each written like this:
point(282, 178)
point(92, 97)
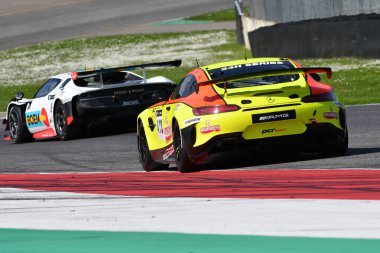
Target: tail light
point(215, 109)
point(329, 96)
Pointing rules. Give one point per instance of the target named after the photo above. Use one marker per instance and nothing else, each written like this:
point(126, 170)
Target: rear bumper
point(122, 102)
point(109, 112)
point(312, 140)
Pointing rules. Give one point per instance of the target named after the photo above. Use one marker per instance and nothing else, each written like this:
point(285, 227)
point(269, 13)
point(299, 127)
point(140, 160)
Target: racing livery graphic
point(66, 103)
point(254, 104)
point(37, 119)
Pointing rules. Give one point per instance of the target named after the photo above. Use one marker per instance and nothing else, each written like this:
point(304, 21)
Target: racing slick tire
point(17, 126)
point(337, 147)
point(183, 162)
point(145, 158)
point(64, 131)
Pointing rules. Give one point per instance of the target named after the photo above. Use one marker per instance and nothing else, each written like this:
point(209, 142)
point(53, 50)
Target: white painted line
point(25, 209)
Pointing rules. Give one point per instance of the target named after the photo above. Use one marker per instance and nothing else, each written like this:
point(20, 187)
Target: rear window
point(241, 69)
point(107, 79)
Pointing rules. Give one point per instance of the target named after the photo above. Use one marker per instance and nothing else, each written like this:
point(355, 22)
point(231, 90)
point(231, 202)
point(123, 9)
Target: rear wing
point(276, 72)
point(100, 72)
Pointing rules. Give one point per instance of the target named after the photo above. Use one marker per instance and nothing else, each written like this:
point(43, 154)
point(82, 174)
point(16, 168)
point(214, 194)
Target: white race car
point(66, 103)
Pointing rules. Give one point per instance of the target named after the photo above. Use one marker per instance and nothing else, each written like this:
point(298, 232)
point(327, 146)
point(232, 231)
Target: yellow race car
point(260, 103)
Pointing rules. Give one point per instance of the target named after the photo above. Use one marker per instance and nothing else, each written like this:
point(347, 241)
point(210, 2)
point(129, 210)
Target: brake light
point(74, 75)
point(329, 96)
point(215, 109)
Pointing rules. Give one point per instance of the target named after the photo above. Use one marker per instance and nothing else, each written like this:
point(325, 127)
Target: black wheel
point(146, 159)
point(337, 147)
point(64, 132)
point(184, 164)
point(17, 126)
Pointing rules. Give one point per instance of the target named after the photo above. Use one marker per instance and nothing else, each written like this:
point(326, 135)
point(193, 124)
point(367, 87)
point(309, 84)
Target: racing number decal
point(160, 128)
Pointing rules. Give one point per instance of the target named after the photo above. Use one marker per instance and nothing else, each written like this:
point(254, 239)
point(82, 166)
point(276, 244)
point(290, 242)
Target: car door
point(184, 89)
point(39, 113)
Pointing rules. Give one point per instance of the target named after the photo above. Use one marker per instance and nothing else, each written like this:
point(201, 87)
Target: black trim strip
point(269, 107)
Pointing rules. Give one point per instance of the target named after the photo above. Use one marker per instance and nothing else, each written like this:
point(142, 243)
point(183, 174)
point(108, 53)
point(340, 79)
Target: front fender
point(21, 103)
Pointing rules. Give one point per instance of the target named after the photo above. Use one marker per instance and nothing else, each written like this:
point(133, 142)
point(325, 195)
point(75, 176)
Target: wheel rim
point(142, 146)
point(13, 124)
point(60, 120)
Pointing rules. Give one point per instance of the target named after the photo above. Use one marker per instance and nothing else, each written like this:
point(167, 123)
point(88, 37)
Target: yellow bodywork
point(209, 126)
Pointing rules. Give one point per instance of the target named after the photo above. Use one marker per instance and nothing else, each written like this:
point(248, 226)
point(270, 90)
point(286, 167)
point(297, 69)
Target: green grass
point(8, 92)
point(355, 80)
point(217, 16)
point(24, 68)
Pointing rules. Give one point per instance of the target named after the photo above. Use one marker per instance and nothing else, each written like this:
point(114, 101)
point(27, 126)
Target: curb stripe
point(42, 241)
point(28, 209)
point(260, 184)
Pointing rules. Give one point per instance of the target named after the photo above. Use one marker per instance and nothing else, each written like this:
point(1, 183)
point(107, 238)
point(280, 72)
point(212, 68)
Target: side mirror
point(196, 87)
point(19, 95)
point(316, 77)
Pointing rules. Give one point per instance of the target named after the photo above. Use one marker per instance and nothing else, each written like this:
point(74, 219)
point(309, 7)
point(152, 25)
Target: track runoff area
point(207, 211)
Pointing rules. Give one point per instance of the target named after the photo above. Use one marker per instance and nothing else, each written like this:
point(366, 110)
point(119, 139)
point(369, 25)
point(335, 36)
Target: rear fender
point(69, 112)
point(148, 120)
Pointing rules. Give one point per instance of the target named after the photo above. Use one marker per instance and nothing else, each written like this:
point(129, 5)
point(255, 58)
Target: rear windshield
point(253, 68)
point(107, 79)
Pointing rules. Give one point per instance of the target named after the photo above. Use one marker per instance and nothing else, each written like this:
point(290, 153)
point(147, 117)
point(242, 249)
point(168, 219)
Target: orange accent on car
point(199, 74)
point(48, 133)
point(317, 87)
point(158, 104)
point(74, 75)
point(44, 117)
point(69, 120)
point(295, 63)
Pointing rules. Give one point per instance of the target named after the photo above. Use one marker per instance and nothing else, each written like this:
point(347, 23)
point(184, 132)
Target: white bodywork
point(39, 111)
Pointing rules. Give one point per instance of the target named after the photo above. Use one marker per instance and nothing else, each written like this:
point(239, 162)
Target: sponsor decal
point(331, 114)
point(231, 67)
point(275, 116)
point(208, 129)
point(192, 121)
point(130, 91)
point(168, 152)
point(273, 130)
point(313, 120)
point(168, 133)
point(160, 128)
point(177, 107)
point(264, 63)
point(45, 134)
point(37, 118)
point(252, 65)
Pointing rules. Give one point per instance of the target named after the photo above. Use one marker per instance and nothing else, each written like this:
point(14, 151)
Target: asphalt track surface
point(106, 150)
point(26, 22)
